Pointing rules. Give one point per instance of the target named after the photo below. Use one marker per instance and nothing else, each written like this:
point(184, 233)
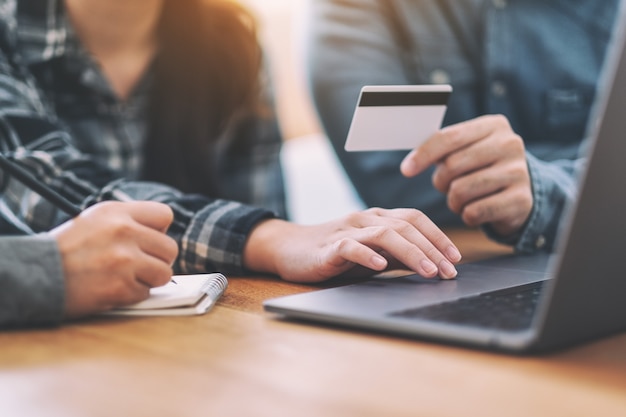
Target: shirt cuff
point(540, 230)
point(32, 281)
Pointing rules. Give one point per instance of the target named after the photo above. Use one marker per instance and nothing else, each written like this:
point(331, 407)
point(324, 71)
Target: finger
point(423, 232)
point(507, 211)
point(137, 293)
point(475, 157)
point(446, 141)
point(157, 216)
point(152, 272)
point(408, 248)
point(156, 244)
point(129, 291)
point(486, 182)
point(417, 253)
point(471, 188)
point(347, 252)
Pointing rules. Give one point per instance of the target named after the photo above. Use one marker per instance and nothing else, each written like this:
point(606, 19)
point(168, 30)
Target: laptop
point(516, 304)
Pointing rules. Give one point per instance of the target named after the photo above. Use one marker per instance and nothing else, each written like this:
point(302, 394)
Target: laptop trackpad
point(379, 296)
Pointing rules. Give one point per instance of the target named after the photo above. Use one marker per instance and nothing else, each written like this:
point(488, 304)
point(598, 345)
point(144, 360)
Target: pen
point(41, 188)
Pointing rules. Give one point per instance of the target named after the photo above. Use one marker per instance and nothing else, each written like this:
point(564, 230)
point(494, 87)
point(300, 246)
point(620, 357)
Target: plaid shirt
point(60, 119)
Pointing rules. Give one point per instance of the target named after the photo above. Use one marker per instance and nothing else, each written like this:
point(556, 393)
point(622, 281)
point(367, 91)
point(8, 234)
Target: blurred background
point(280, 25)
point(317, 188)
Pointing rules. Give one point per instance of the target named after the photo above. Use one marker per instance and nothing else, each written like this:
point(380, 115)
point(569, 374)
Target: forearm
point(210, 232)
point(263, 245)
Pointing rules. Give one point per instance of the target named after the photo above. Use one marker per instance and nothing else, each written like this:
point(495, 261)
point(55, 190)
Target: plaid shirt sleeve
point(211, 233)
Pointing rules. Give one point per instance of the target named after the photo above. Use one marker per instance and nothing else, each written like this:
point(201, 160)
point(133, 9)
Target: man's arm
point(351, 44)
point(491, 181)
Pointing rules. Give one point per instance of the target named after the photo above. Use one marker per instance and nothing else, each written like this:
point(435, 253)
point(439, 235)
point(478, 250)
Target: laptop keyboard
point(507, 309)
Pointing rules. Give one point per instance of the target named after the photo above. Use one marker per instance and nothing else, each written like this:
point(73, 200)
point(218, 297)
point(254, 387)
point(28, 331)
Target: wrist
point(263, 245)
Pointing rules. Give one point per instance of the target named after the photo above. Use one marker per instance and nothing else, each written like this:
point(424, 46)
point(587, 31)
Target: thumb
point(157, 216)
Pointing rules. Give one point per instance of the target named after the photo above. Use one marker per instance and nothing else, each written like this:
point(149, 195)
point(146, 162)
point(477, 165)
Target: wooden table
point(239, 361)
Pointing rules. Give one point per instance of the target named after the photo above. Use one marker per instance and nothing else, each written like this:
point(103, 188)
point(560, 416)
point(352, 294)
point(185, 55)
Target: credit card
point(398, 117)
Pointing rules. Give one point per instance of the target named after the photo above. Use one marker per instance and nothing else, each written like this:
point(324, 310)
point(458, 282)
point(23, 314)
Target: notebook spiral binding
point(216, 286)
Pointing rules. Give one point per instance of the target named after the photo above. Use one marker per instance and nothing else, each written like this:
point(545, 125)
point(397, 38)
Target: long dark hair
point(207, 70)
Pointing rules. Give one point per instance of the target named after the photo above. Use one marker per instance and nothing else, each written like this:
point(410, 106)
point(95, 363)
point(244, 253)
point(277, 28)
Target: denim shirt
point(60, 120)
point(535, 61)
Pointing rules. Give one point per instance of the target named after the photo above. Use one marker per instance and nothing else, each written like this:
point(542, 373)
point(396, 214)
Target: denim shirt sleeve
point(537, 63)
point(554, 186)
point(31, 281)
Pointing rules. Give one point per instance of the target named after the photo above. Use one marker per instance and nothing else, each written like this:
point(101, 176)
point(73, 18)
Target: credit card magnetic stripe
point(403, 98)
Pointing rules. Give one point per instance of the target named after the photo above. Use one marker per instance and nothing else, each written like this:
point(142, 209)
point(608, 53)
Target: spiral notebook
point(185, 295)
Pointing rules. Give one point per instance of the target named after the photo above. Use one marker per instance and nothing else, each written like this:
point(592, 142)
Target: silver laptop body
point(584, 295)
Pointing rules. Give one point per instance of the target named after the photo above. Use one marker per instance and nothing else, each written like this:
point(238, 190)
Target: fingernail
point(378, 262)
point(453, 254)
point(428, 267)
point(408, 165)
point(447, 270)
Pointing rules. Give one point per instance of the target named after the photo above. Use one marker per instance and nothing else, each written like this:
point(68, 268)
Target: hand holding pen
point(68, 207)
point(113, 254)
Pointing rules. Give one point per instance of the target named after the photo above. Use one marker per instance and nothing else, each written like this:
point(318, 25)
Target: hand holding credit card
point(396, 117)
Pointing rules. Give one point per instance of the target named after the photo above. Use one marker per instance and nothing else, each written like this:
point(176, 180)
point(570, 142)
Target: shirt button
point(498, 89)
point(540, 242)
point(439, 76)
point(499, 4)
